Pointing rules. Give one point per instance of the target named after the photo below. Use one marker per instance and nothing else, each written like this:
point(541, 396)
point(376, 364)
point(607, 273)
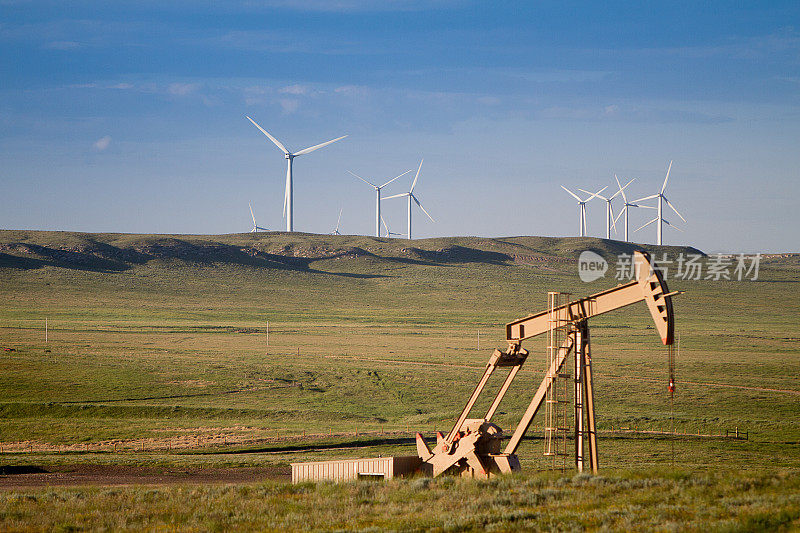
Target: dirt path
point(16, 477)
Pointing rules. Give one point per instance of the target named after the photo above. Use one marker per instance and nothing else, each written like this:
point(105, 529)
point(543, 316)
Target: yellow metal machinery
point(473, 446)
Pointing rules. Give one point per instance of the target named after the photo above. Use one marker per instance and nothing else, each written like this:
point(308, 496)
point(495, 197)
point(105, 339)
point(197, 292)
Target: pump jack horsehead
point(473, 447)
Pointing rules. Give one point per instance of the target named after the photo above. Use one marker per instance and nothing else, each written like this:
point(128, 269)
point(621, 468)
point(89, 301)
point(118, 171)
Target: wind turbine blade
point(621, 189)
point(388, 233)
point(318, 146)
point(671, 225)
point(620, 214)
point(613, 221)
point(396, 196)
point(597, 193)
point(646, 198)
point(252, 215)
point(414, 183)
point(420, 206)
point(673, 208)
point(592, 195)
point(362, 179)
point(273, 139)
point(663, 187)
point(391, 180)
point(642, 227)
point(572, 194)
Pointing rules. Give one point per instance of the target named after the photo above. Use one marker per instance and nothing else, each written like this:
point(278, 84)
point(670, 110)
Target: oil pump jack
point(472, 448)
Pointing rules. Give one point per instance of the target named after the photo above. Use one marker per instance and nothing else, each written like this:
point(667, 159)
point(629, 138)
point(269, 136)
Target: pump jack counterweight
point(472, 447)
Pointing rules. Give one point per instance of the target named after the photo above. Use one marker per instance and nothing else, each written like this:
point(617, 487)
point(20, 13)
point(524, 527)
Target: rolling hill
point(296, 251)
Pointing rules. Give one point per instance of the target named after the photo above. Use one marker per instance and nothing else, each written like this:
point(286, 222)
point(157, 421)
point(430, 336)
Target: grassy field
point(621, 501)
point(158, 345)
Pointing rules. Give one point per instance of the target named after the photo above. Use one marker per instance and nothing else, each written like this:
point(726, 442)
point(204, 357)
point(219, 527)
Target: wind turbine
point(288, 201)
point(660, 206)
point(378, 198)
point(256, 227)
point(389, 233)
point(411, 197)
point(582, 208)
point(336, 230)
point(610, 220)
point(627, 205)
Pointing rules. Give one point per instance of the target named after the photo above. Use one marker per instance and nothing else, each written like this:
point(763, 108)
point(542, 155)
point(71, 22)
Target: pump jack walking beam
point(472, 445)
point(649, 286)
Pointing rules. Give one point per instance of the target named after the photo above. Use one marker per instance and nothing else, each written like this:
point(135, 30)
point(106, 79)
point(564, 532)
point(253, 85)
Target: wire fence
point(394, 435)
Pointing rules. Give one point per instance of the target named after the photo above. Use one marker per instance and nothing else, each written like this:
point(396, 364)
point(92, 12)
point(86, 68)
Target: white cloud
point(61, 45)
point(102, 143)
point(611, 110)
point(352, 90)
point(289, 105)
point(294, 89)
point(182, 89)
point(488, 100)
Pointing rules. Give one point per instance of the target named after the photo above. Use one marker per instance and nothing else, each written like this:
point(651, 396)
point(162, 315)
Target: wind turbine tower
point(627, 206)
point(288, 199)
point(378, 198)
point(660, 207)
point(610, 220)
point(410, 195)
point(582, 209)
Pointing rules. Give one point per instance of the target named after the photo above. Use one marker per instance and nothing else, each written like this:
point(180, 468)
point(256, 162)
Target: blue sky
point(129, 116)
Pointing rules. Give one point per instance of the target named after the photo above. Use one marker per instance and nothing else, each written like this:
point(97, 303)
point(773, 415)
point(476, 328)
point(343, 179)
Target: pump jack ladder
point(471, 448)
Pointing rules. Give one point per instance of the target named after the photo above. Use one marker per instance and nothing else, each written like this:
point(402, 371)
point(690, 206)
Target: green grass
point(171, 342)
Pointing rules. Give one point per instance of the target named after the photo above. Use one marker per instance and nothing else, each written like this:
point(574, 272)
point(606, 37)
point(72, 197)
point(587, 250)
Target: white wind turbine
point(610, 220)
point(378, 198)
point(336, 230)
point(582, 208)
point(411, 197)
point(627, 205)
point(389, 232)
point(256, 227)
point(288, 201)
point(660, 206)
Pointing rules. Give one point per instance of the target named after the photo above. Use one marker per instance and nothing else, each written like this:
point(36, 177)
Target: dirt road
point(16, 477)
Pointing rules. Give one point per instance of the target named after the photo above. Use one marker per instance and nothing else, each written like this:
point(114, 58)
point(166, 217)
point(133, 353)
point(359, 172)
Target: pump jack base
point(475, 455)
point(490, 466)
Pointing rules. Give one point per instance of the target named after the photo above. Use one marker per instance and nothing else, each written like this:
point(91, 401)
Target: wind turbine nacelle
point(288, 156)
